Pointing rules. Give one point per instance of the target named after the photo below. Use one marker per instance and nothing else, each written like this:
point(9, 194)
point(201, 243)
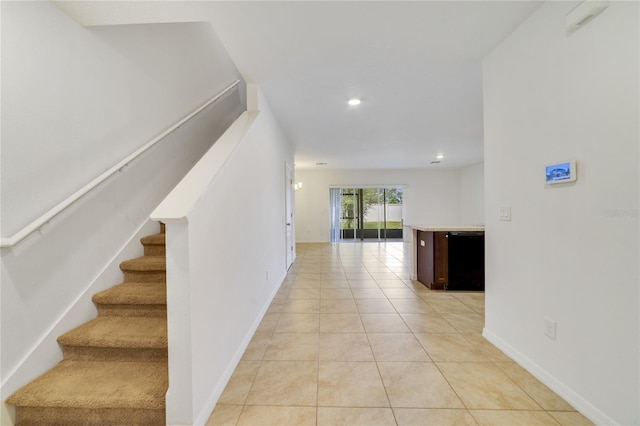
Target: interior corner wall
point(430, 197)
point(75, 102)
point(570, 251)
point(472, 195)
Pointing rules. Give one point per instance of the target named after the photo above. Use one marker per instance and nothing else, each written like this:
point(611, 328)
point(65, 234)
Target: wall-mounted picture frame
point(561, 172)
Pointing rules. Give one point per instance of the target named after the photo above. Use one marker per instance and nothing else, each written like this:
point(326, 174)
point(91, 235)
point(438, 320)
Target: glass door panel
point(370, 213)
point(393, 212)
point(349, 218)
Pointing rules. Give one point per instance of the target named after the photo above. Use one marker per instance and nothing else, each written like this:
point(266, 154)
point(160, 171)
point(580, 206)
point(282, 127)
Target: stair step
point(145, 269)
point(115, 367)
point(133, 299)
point(144, 264)
point(117, 339)
point(154, 245)
point(94, 392)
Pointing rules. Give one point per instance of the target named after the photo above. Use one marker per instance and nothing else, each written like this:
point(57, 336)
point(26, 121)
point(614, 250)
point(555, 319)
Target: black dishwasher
point(466, 261)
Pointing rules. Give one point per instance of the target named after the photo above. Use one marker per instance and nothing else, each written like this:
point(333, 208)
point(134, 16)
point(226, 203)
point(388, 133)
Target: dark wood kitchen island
point(448, 257)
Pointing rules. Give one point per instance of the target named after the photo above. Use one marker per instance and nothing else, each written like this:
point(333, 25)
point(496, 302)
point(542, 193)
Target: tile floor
point(351, 340)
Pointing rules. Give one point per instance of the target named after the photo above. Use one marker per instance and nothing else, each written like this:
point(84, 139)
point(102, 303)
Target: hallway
point(350, 340)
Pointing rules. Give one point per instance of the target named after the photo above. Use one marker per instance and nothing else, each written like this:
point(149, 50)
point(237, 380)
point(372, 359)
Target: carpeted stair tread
point(115, 369)
point(154, 245)
point(119, 332)
point(133, 294)
point(155, 239)
point(97, 385)
point(144, 264)
point(72, 416)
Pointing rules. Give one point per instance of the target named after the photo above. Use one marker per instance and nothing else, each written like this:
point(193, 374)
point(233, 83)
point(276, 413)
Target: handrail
point(53, 212)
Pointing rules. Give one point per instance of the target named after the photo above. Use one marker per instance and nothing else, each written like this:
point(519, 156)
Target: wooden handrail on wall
point(53, 212)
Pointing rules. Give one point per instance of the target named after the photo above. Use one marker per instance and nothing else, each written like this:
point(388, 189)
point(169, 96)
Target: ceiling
point(415, 65)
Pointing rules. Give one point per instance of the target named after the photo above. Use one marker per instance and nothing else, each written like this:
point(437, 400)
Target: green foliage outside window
point(370, 197)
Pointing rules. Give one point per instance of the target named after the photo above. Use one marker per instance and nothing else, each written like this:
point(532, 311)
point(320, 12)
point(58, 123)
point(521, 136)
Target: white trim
point(578, 402)
point(45, 218)
point(204, 414)
point(184, 196)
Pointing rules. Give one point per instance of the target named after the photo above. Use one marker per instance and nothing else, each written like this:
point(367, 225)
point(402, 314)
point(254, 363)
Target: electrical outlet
point(550, 328)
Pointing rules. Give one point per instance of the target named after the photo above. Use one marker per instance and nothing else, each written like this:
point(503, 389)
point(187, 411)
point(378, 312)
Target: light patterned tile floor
point(348, 340)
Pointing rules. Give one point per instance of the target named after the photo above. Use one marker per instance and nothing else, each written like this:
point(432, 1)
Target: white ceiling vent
point(583, 13)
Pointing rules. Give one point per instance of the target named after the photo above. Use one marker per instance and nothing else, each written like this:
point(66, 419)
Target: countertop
point(446, 228)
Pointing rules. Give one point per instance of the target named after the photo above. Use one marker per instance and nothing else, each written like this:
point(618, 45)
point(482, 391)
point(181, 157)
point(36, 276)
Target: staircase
point(114, 369)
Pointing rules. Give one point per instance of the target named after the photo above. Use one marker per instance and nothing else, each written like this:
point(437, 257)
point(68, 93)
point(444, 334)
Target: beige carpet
point(115, 366)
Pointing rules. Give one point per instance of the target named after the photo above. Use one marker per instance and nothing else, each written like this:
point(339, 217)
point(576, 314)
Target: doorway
point(288, 199)
point(366, 214)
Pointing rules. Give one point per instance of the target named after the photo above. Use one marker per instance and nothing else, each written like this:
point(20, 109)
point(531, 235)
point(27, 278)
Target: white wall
point(570, 252)
point(75, 101)
point(226, 258)
point(429, 196)
point(472, 195)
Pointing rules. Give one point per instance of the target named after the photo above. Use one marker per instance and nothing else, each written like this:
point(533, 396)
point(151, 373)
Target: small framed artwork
point(560, 172)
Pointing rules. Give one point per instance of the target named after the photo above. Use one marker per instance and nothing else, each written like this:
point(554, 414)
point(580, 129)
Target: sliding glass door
point(366, 213)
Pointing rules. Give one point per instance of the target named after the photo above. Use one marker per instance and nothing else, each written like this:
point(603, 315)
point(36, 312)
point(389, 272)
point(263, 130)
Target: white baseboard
point(208, 407)
point(8, 415)
point(578, 402)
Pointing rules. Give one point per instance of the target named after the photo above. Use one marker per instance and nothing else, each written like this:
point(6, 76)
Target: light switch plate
point(505, 213)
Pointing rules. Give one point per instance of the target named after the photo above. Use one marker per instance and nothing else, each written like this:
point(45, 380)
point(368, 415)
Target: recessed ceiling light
point(354, 102)
point(439, 156)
